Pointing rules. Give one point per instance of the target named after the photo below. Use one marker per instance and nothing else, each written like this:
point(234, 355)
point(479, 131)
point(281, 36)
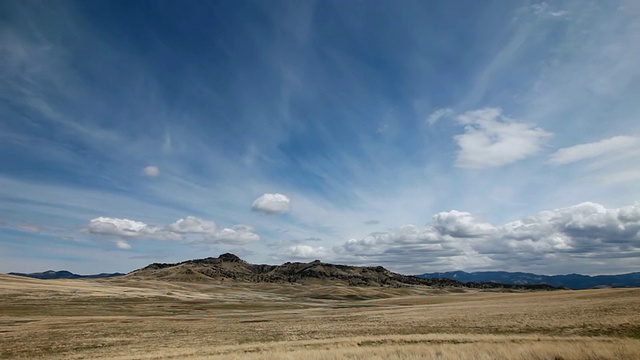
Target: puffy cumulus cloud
point(581, 235)
point(237, 235)
point(272, 204)
point(193, 225)
point(586, 231)
point(596, 149)
point(182, 229)
point(123, 227)
point(491, 139)
point(407, 246)
point(151, 171)
point(589, 222)
point(307, 252)
point(575, 226)
point(121, 244)
point(461, 224)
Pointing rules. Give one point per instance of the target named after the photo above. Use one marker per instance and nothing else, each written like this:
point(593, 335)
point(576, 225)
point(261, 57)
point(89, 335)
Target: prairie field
point(122, 318)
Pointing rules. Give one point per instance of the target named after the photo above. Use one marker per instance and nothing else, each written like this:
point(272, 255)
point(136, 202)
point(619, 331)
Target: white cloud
point(307, 252)
point(272, 204)
point(193, 225)
point(30, 228)
point(596, 149)
point(121, 244)
point(457, 240)
point(439, 114)
point(543, 9)
point(461, 224)
point(492, 140)
point(585, 230)
point(123, 227)
point(386, 243)
point(618, 177)
point(152, 171)
point(237, 235)
point(182, 229)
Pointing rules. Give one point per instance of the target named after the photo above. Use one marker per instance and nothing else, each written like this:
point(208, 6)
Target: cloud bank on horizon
point(421, 136)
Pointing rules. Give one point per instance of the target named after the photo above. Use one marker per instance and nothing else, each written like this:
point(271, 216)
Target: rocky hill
point(229, 267)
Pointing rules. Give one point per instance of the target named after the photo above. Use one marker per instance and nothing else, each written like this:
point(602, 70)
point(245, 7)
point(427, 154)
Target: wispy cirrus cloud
point(30, 227)
point(545, 9)
point(401, 108)
point(491, 139)
point(123, 244)
point(592, 150)
point(151, 171)
point(439, 114)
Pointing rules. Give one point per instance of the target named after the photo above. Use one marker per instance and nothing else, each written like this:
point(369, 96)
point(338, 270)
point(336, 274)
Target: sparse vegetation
point(123, 318)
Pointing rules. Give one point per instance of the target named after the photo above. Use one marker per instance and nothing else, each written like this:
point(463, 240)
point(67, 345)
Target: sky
point(421, 136)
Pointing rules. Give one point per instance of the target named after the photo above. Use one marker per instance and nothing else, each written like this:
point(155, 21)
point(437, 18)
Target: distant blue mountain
point(63, 274)
point(571, 281)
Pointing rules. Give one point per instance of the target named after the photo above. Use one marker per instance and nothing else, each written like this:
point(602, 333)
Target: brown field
point(129, 319)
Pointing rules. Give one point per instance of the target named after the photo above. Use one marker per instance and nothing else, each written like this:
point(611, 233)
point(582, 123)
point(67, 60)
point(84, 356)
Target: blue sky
point(417, 135)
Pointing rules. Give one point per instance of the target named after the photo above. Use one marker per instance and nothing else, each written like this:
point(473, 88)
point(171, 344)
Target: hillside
point(571, 281)
point(229, 267)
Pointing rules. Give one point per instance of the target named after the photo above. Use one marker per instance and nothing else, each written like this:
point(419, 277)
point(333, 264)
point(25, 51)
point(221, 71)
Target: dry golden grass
point(128, 319)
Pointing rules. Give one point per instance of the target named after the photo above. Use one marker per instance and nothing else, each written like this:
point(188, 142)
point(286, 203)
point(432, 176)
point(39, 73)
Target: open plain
point(125, 318)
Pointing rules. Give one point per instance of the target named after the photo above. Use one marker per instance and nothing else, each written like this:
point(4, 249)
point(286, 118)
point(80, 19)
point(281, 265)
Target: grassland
point(129, 319)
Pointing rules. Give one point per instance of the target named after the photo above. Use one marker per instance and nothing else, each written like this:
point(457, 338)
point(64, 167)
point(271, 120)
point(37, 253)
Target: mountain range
point(571, 281)
point(63, 274)
point(231, 267)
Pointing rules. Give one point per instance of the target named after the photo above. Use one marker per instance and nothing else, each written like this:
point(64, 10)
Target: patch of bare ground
point(145, 319)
